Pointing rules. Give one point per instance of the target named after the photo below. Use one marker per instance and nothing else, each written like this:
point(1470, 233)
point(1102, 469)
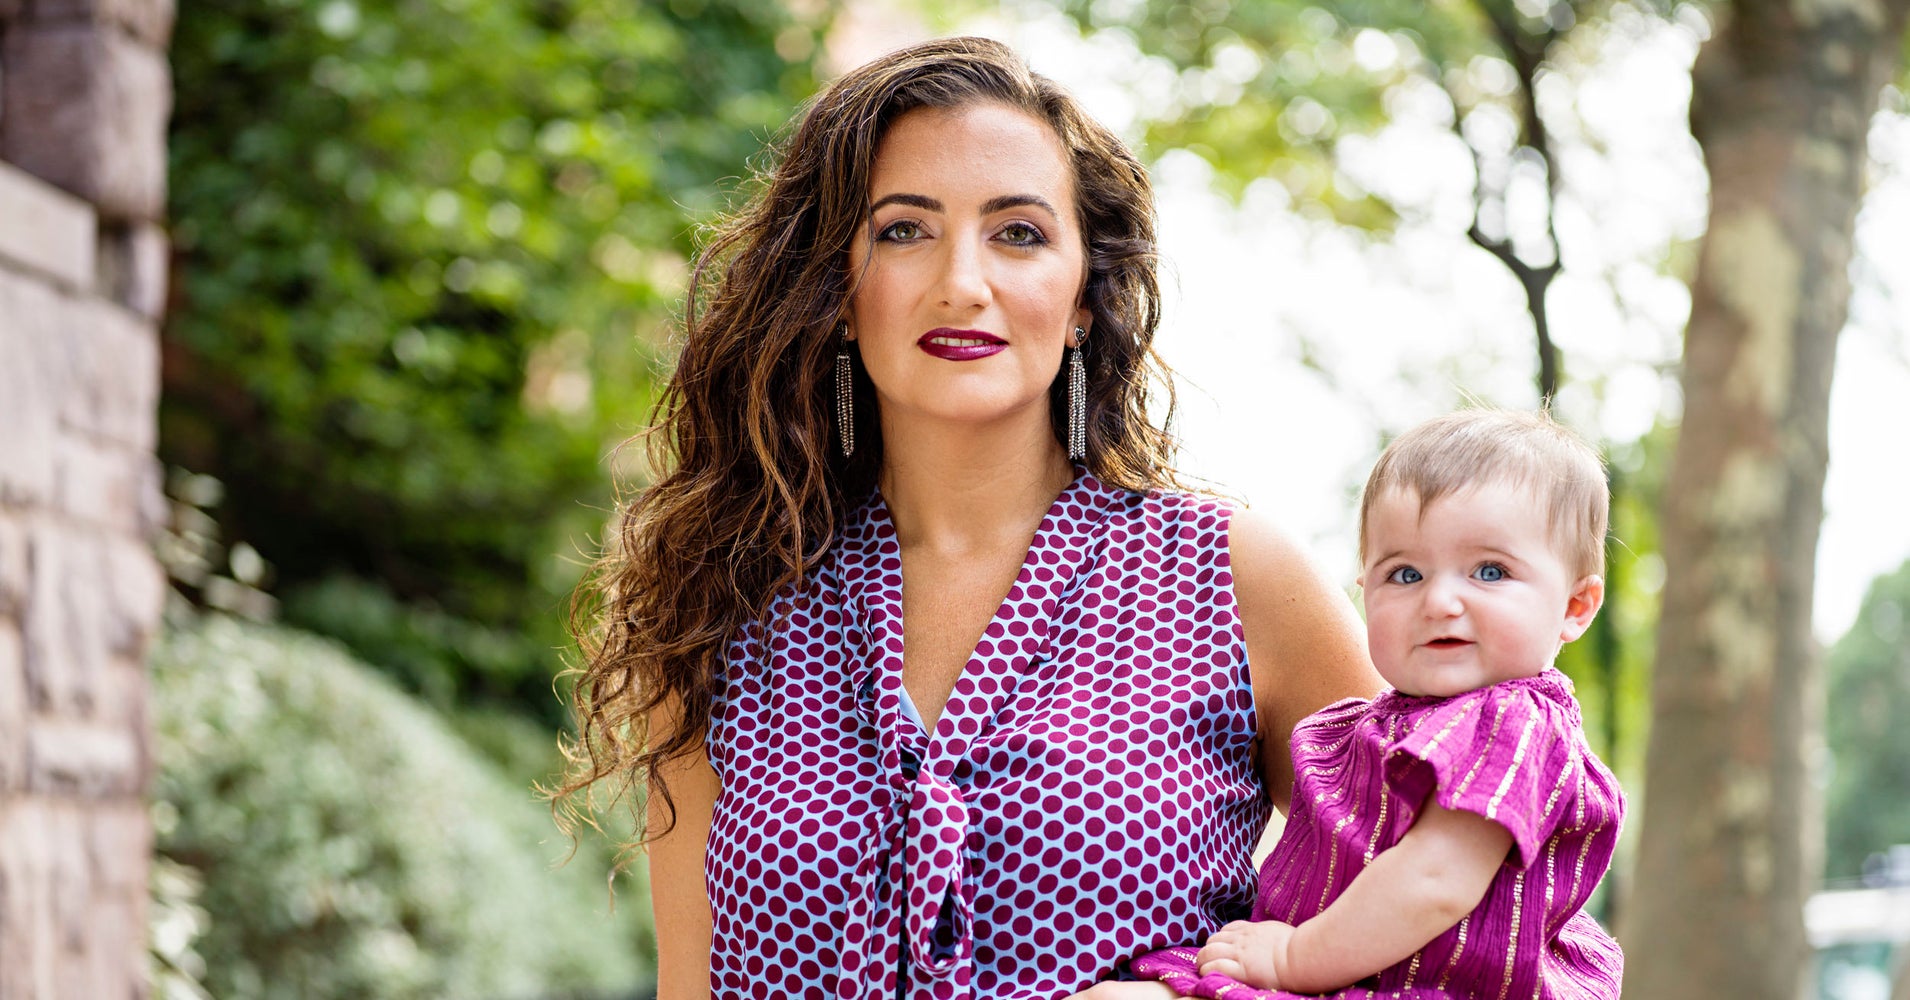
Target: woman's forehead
point(977, 151)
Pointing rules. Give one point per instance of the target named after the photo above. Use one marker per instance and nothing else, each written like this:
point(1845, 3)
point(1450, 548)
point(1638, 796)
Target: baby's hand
point(1254, 953)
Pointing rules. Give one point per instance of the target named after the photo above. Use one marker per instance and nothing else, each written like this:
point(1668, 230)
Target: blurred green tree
point(427, 256)
point(1268, 89)
point(1868, 809)
point(351, 845)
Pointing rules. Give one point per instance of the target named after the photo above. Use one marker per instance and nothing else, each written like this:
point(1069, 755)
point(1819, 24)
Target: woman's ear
point(1588, 595)
point(1083, 321)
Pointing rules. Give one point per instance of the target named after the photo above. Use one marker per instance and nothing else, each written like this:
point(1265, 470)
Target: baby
point(1445, 836)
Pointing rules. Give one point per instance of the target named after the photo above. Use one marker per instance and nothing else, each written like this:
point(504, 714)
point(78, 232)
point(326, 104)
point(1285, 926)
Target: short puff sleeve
point(1504, 752)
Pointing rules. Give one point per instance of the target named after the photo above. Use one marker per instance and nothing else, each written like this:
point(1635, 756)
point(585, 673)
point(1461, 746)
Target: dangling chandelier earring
point(1077, 399)
point(845, 394)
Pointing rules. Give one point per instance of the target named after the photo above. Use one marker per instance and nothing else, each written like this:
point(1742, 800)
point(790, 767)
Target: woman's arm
point(679, 898)
point(1305, 644)
point(1408, 896)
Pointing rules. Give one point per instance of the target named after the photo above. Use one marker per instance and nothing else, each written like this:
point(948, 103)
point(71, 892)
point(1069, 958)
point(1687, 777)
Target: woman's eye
point(1490, 572)
point(900, 232)
point(1022, 234)
point(1404, 574)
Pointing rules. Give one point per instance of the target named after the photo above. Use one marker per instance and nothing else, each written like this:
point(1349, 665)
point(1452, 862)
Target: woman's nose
point(964, 281)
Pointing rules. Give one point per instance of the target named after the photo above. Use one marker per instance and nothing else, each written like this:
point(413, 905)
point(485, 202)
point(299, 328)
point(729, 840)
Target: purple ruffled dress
point(1514, 753)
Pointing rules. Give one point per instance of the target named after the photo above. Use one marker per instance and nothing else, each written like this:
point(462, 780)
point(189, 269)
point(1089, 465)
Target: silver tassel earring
point(1077, 399)
point(845, 394)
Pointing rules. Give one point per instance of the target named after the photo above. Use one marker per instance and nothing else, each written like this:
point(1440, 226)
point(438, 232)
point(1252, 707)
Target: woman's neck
point(956, 488)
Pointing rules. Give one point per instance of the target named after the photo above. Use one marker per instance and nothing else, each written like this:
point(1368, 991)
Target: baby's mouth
point(1448, 642)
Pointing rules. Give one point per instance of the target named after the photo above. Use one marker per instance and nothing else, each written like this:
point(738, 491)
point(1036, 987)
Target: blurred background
point(426, 262)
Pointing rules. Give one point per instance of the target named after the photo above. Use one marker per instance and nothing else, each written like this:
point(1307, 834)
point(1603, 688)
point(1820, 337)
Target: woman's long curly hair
point(750, 489)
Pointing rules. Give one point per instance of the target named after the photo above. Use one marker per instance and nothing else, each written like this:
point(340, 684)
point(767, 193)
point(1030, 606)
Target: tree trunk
point(1782, 98)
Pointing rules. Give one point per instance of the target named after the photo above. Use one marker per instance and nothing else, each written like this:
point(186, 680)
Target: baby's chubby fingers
point(1228, 967)
point(1217, 949)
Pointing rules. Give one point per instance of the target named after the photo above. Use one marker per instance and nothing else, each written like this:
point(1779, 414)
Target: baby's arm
point(1434, 876)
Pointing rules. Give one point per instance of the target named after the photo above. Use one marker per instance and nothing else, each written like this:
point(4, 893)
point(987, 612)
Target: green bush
point(444, 659)
point(352, 845)
point(1867, 809)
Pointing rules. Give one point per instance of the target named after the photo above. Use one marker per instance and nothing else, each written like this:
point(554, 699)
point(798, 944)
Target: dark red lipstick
point(960, 345)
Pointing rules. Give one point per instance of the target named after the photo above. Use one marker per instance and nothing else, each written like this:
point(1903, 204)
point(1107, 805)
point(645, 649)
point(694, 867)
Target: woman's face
point(972, 272)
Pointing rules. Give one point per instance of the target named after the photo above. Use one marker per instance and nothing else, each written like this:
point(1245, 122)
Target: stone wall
point(84, 97)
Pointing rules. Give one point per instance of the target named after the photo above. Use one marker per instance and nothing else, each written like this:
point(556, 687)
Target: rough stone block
point(125, 705)
point(77, 969)
point(111, 386)
point(27, 952)
point(100, 483)
point(112, 960)
point(83, 759)
point(16, 567)
point(85, 109)
point(148, 20)
point(67, 621)
point(119, 844)
point(135, 595)
point(14, 717)
point(47, 230)
point(134, 261)
point(32, 374)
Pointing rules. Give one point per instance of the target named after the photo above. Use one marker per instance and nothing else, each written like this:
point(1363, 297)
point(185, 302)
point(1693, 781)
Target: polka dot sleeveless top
point(1088, 793)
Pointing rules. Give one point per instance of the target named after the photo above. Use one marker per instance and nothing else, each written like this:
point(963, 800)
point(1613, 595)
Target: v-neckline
point(873, 579)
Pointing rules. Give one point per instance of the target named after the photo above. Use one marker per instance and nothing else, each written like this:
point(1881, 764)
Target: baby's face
point(1468, 592)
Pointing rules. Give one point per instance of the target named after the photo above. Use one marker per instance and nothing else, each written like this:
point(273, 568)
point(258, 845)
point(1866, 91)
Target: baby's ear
point(1588, 595)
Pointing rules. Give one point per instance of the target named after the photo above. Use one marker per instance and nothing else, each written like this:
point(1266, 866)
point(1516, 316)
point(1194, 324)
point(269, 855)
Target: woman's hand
point(1126, 991)
point(1250, 952)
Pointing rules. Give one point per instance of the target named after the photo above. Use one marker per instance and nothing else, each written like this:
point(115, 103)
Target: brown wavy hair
point(749, 487)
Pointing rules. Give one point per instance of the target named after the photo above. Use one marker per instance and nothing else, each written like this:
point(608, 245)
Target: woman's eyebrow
point(912, 200)
point(1000, 202)
point(989, 207)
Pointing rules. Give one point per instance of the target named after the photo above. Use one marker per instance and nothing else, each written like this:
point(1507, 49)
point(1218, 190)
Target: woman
point(871, 773)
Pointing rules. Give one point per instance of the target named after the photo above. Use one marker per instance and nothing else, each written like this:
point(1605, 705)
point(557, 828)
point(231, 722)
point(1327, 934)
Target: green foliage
point(1611, 664)
point(351, 845)
point(428, 250)
point(1265, 88)
point(440, 657)
point(1868, 807)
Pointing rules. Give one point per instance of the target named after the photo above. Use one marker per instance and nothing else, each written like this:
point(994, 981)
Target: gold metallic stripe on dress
point(1518, 760)
point(1512, 946)
point(1479, 757)
point(1457, 950)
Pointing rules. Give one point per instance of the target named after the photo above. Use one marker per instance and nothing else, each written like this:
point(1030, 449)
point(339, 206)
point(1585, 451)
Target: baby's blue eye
point(1404, 574)
point(1490, 572)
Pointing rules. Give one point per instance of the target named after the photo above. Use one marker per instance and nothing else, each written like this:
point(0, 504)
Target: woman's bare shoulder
point(1306, 647)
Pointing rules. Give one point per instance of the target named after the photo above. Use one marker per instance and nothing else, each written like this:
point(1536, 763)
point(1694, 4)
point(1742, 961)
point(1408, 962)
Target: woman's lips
point(960, 345)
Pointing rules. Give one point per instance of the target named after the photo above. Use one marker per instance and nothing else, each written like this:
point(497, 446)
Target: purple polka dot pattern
point(1088, 793)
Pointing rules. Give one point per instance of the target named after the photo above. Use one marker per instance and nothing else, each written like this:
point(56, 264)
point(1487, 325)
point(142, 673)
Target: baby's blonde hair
point(1469, 448)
